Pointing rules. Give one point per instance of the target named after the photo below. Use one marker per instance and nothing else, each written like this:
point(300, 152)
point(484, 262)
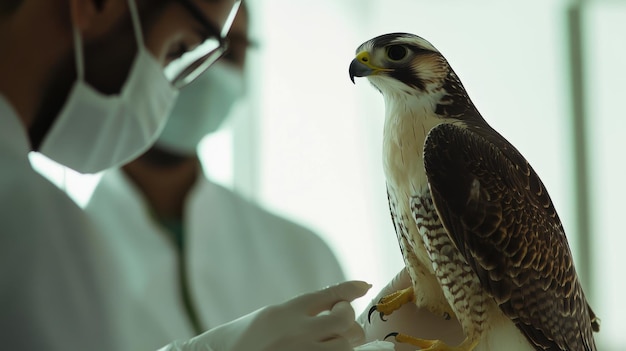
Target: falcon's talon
point(446, 316)
point(372, 310)
point(369, 314)
point(394, 334)
point(392, 302)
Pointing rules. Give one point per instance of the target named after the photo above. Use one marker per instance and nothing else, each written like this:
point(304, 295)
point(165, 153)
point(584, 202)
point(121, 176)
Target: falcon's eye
point(396, 52)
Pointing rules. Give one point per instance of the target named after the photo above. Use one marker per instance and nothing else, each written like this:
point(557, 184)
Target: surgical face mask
point(94, 131)
point(201, 108)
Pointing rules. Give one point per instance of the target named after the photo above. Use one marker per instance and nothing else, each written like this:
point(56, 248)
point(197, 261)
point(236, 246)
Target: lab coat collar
point(132, 195)
point(13, 137)
point(121, 185)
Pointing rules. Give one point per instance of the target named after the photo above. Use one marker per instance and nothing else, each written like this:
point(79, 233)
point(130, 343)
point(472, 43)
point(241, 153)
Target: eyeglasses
point(192, 64)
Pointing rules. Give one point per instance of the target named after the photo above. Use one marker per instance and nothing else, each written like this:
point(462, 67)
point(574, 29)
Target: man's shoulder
point(34, 206)
point(258, 214)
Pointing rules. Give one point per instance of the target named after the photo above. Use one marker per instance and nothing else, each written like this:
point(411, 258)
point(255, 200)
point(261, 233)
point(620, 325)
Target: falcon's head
point(400, 64)
point(392, 60)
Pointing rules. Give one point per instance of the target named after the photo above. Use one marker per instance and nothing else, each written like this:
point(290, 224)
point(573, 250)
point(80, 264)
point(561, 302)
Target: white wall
point(606, 48)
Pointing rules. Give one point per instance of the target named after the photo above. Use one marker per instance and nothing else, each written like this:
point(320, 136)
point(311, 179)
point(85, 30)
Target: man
point(82, 81)
point(197, 255)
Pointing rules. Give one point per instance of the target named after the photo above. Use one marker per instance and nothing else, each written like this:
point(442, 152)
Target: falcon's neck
point(408, 120)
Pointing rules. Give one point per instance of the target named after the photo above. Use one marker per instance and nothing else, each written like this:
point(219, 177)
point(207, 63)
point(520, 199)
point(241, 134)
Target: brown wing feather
point(397, 225)
point(500, 216)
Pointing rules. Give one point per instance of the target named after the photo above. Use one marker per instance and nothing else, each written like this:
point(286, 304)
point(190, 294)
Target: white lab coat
point(56, 284)
point(239, 258)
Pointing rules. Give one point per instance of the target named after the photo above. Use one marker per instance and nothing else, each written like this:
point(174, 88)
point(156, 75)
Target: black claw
point(369, 314)
point(394, 334)
point(372, 310)
point(382, 317)
point(446, 316)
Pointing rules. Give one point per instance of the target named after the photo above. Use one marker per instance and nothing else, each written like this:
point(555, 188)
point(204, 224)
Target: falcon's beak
point(361, 66)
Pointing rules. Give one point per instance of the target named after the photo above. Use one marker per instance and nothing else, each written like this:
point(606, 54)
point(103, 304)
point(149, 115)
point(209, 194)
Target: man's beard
point(161, 158)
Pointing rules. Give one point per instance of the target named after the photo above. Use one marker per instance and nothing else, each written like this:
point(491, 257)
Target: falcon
point(478, 232)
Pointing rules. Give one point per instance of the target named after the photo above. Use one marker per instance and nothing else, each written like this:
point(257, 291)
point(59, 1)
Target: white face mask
point(94, 131)
point(201, 108)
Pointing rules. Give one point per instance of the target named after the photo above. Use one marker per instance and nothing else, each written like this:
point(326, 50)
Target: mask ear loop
point(80, 77)
point(78, 53)
point(132, 7)
point(78, 41)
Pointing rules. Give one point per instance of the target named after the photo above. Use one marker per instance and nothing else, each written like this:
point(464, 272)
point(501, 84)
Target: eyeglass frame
point(204, 62)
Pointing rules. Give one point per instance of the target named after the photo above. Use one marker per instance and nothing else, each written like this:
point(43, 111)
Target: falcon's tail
point(595, 321)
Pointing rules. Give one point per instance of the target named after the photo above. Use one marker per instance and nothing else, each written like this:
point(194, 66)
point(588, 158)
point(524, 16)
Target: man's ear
point(83, 11)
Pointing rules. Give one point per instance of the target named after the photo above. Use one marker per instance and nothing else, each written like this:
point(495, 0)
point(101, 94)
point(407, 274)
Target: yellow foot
point(433, 345)
point(392, 302)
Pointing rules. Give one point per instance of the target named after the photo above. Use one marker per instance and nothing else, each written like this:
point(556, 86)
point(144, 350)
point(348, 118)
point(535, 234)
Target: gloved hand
point(409, 320)
point(322, 320)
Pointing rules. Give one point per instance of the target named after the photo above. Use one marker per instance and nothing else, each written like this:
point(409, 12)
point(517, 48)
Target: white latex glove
point(409, 320)
point(322, 320)
point(376, 346)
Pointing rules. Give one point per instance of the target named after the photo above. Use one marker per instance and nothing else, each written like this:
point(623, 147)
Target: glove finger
point(343, 309)
point(323, 300)
point(330, 324)
point(355, 334)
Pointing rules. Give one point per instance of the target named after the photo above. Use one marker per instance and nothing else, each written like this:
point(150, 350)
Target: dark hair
point(99, 4)
point(8, 6)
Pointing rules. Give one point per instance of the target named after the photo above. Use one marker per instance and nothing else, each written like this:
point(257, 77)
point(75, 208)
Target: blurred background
point(550, 75)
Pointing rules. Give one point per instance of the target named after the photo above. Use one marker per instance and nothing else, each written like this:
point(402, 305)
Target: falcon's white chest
point(407, 123)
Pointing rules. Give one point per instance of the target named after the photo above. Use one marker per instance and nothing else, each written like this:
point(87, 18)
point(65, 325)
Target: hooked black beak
point(359, 69)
